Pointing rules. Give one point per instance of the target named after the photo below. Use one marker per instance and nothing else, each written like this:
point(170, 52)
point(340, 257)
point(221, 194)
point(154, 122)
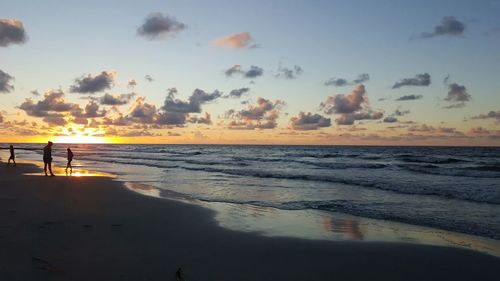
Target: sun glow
point(80, 139)
point(81, 135)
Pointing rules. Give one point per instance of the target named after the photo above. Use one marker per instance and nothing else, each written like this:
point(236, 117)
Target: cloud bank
point(91, 85)
point(121, 99)
point(289, 73)
point(419, 80)
point(251, 73)
point(243, 40)
point(142, 112)
point(157, 26)
point(262, 115)
point(449, 26)
point(5, 82)
point(490, 115)
point(457, 95)
point(308, 121)
point(350, 108)
point(12, 32)
point(341, 82)
point(176, 112)
point(237, 93)
point(56, 111)
point(52, 104)
point(409, 97)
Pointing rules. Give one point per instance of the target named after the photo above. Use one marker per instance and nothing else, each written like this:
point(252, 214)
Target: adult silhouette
point(12, 156)
point(47, 158)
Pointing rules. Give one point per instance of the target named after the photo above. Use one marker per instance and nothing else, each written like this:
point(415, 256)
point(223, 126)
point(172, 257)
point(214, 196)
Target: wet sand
point(92, 228)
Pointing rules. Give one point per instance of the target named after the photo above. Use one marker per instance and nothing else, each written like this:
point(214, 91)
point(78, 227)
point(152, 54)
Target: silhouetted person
point(47, 158)
point(12, 156)
point(179, 275)
point(70, 158)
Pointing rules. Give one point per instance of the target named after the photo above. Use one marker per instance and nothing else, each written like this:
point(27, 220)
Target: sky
point(353, 72)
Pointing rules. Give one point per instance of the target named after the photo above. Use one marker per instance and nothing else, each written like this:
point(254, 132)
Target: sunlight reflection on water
point(76, 172)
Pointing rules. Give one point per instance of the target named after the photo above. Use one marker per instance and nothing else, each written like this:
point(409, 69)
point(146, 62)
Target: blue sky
point(341, 39)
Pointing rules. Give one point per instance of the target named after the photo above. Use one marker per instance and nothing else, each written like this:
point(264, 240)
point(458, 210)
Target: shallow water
point(323, 225)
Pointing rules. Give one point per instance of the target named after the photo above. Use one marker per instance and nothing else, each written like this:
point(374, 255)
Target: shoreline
point(312, 224)
point(82, 228)
point(323, 225)
point(308, 224)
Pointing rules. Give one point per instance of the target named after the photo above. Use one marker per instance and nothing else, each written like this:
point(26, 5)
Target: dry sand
point(92, 228)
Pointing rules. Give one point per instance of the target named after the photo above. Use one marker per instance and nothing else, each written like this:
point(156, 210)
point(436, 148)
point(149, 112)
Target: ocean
point(453, 189)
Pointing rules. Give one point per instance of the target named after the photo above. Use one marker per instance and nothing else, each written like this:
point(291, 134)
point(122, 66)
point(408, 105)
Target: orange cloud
point(241, 40)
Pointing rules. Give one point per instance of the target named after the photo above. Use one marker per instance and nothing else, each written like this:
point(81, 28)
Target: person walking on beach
point(12, 156)
point(47, 158)
point(70, 158)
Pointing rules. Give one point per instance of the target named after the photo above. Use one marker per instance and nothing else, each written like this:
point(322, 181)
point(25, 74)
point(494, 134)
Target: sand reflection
point(86, 173)
point(347, 227)
point(77, 172)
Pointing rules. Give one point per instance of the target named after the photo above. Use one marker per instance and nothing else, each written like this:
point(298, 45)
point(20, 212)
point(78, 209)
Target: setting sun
point(80, 139)
point(80, 135)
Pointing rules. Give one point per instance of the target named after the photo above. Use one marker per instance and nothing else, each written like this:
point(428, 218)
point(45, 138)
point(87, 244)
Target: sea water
point(445, 188)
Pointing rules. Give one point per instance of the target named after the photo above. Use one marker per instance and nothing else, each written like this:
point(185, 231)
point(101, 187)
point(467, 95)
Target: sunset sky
point(251, 72)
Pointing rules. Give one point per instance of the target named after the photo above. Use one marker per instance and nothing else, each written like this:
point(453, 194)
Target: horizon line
point(264, 144)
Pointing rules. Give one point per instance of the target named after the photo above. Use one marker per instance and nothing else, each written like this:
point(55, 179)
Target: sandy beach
point(92, 228)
